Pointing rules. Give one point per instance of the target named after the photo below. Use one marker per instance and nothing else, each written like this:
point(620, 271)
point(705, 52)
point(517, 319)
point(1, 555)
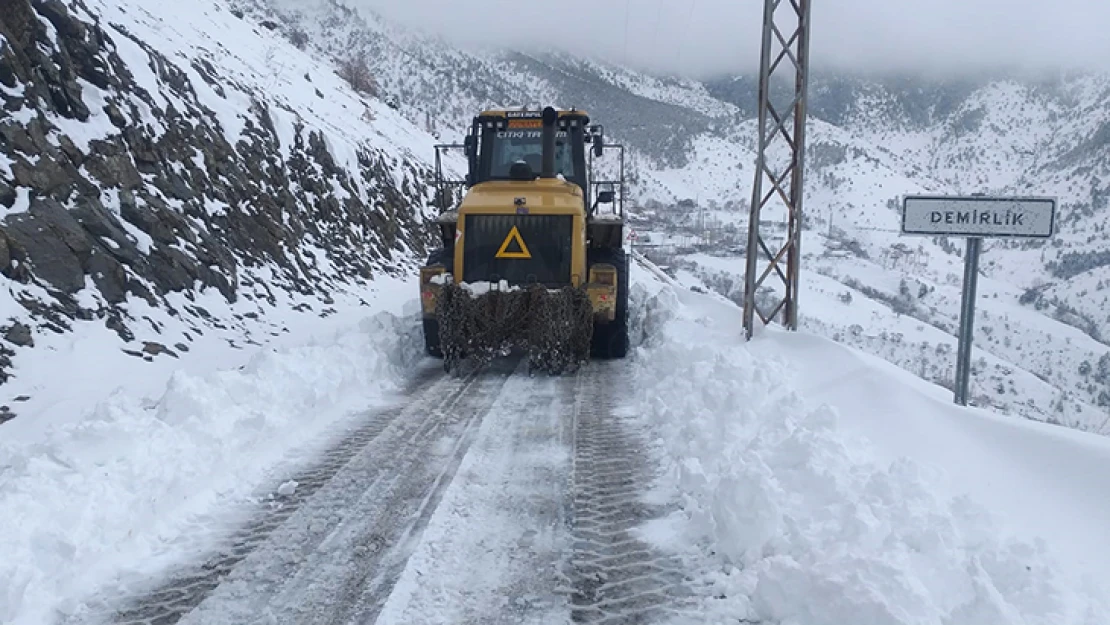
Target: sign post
point(975, 217)
point(967, 319)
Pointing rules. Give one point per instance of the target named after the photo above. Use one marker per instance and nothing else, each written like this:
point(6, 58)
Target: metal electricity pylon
point(780, 164)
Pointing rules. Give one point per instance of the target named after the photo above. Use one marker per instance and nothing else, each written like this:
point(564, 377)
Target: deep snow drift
point(829, 487)
point(114, 491)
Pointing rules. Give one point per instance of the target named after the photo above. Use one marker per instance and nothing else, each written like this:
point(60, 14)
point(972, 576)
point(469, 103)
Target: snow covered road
point(705, 479)
point(491, 498)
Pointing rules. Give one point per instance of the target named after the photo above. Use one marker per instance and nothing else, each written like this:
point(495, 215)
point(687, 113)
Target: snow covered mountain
point(262, 81)
point(173, 176)
point(871, 140)
point(210, 213)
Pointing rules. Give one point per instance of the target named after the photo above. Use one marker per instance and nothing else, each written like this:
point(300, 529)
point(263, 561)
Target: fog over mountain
point(699, 37)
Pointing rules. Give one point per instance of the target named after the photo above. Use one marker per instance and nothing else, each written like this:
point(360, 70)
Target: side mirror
point(599, 145)
point(606, 197)
point(470, 144)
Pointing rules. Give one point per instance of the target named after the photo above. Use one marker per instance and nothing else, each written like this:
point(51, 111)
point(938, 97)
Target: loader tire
point(431, 326)
point(610, 339)
point(431, 338)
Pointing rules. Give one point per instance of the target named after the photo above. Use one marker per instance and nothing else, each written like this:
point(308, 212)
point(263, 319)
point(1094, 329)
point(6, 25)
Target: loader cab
point(507, 145)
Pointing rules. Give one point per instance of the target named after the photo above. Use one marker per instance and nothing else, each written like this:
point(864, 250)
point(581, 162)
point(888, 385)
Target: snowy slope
point(1024, 364)
point(829, 487)
point(138, 410)
point(870, 142)
point(278, 191)
point(1041, 322)
point(100, 503)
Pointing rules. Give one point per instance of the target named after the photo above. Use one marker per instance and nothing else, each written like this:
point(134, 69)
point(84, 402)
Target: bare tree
point(356, 71)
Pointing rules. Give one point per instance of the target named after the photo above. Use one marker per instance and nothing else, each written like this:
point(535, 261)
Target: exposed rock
point(56, 245)
point(103, 225)
point(47, 177)
point(72, 152)
point(111, 165)
point(7, 195)
point(152, 348)
point(214, 212)
point(157, 226)
point(5, 252)
point(20, 334)
point(108, 275)
point(5, 362)
point(115, 323)
point(115, 116)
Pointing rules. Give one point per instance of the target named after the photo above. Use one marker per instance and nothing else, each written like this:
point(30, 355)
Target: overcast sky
point(699, 36)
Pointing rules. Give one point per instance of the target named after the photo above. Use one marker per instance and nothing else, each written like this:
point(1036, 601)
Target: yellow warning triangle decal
point(514, 235)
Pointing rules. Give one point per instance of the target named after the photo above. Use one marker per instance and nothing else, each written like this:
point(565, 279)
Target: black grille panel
point(547, 237)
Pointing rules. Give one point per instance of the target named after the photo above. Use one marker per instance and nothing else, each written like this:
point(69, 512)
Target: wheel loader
point(532, 255)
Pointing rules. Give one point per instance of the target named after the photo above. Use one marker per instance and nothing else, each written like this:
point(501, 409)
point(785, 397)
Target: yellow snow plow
point(527, 259)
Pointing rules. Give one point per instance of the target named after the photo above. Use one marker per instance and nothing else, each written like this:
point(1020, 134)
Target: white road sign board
point(979, 216)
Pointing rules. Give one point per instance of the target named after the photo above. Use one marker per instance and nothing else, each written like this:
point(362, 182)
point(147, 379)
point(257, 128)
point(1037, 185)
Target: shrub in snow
point(355, 69)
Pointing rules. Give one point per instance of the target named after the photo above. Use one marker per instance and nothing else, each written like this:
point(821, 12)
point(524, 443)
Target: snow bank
point(801, 521)
point(109, 492)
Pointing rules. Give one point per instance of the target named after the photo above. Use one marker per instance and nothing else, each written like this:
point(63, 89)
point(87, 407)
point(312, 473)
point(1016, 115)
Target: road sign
point(979, 216)
point(975, 217)
point(522, 248)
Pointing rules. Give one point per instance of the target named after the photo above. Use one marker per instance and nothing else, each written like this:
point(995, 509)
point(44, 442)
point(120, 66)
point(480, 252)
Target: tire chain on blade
point(554, 328)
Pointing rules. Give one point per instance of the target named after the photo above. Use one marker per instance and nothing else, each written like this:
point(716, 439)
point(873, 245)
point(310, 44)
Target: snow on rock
point(104, 495)
point(146, 149)
point(806, 522)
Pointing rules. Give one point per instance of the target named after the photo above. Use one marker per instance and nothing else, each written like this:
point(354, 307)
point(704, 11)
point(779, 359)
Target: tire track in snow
point(537, 527)
point(358, 508)
point(493, 550)
point(616, 578)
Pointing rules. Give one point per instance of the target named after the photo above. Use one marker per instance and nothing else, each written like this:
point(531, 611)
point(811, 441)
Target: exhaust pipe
point(550, 117)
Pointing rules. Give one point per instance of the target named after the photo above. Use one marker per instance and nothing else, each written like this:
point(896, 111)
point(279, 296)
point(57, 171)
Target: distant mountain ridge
point(227, 152)
point(871, 140)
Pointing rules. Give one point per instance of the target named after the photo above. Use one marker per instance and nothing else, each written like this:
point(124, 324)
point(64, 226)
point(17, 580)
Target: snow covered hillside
point(794, 491)
point(209, 217)
point(826, 486)
point(340, 197)
point(203, 183)
point(1041, 346)
point(871, 141)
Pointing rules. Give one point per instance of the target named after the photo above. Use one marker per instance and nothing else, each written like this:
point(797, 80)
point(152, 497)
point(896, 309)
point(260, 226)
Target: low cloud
point(699, 37)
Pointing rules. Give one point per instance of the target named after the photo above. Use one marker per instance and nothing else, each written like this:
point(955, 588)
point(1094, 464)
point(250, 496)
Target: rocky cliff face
point(127, 173)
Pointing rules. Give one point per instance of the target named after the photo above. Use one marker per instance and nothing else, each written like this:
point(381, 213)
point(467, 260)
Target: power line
point(627, 19)
point(686, 27)
point(658, 19)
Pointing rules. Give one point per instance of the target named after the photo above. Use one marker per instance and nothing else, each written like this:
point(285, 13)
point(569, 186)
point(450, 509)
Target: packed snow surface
point(829, 487)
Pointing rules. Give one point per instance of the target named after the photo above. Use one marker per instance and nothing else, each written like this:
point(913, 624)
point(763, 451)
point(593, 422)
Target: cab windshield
point(513, 145)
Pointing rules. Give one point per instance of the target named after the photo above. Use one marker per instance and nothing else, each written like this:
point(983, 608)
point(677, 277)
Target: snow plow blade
point(554, 327)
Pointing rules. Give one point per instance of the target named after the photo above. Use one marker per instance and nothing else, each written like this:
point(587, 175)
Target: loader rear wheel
point(431, 338)
point(610, 339)
point(432, 347)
